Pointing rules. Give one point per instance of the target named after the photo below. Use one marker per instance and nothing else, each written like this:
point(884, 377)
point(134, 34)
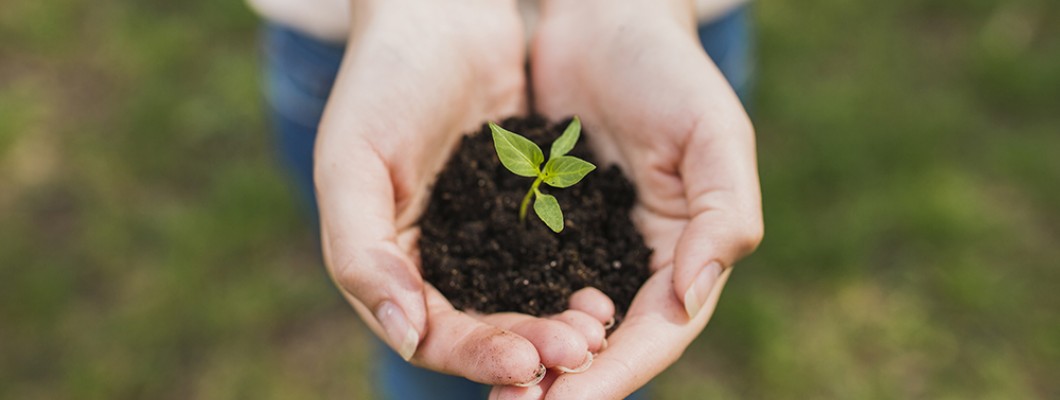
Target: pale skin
point(418, 74)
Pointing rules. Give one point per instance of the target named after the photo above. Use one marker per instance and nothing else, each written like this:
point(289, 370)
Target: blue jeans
point(299, 73)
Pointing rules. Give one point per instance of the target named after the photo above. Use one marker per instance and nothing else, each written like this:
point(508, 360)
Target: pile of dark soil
point(481, 257)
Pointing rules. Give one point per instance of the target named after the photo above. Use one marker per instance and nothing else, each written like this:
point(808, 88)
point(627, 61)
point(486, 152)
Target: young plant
point(521, 156)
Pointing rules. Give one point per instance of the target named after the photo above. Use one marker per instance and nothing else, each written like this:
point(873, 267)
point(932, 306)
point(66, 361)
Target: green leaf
point(517, 153)
point(566, 141)
point(547, 208)
point(566, 171)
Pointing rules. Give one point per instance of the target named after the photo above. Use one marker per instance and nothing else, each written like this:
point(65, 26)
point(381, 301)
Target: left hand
point(658, 107)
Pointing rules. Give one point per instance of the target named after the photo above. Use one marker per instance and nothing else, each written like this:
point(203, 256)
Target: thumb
point(389, 289)
point(721, 182)
point(709, 245)
point(359, 239)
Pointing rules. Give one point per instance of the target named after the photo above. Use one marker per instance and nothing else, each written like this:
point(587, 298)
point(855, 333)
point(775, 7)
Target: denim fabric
point(299, 73)
point(730, 44)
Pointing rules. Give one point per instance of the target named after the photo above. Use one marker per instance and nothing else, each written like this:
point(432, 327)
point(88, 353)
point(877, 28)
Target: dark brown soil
point(476, 251)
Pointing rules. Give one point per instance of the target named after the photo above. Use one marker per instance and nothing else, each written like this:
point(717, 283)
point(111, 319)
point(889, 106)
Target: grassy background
point(149, 248)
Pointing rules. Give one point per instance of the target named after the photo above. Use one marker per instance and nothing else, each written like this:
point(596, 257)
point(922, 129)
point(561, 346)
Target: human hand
point(417, 74)
point(658, 107)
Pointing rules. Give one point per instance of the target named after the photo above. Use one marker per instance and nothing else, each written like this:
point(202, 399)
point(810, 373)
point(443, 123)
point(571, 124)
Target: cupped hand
point(417, 74)
point(658, 107)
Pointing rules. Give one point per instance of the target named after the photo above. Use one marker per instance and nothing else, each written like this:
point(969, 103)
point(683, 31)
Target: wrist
point(365, 9)
point(682, 11)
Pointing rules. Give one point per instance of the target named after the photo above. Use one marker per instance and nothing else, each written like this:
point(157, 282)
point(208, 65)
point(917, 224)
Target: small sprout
point(521, 156)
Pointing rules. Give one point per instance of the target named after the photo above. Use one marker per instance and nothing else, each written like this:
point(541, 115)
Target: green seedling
point(521, 156)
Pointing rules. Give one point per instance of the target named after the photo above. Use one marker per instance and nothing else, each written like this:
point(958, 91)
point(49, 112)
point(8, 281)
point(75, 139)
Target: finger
point(559, 345)
point(459, 344)
point(360, 248)
point(536, 392)
point(592, 301)
point(724, 199)
point(654, 335)
point(590, 328)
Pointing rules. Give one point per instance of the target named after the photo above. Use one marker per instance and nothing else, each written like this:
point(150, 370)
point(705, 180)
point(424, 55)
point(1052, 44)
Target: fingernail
point(581, 368)
point(698, 293)
point(537, 377)
point(399, 331)
point(609, 323)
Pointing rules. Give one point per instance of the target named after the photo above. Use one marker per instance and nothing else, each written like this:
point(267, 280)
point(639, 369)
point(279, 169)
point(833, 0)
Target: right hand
point(636, 74)
point(416, 75)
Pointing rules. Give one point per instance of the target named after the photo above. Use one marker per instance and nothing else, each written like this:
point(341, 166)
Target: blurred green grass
point(149, 248)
